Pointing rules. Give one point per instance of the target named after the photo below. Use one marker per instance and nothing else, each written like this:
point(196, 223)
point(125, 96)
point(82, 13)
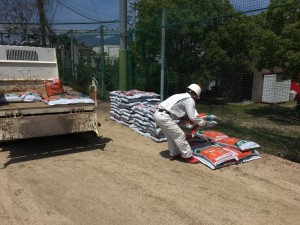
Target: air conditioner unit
point(275, 90)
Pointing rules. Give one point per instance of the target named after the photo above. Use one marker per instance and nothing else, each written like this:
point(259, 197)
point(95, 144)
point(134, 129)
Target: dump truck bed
point(28, 69)
point(37, 119)
point(41, 108)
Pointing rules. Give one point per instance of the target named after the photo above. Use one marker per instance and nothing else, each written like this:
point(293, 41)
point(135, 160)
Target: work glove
point(203, 124)
point(207, 123)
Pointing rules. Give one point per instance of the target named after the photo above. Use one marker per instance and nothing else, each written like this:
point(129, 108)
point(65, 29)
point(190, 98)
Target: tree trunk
point(40, 5)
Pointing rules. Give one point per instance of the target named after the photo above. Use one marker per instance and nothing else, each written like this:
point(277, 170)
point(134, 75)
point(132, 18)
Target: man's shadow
point(165, 154)
point(44, 147)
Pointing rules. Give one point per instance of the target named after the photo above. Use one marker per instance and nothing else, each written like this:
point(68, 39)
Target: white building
point(111, 50)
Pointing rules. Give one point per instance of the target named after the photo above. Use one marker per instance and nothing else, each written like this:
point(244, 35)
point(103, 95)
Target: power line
point(64, 23)
point(53, 14)
point(76, 11)
point(81, 6)
point(94, 9)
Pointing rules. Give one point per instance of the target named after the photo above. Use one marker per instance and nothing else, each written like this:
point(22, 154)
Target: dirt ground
point(124, 178)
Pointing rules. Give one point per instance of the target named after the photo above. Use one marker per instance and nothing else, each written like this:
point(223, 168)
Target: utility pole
point(2, 39)
point(102, 60)
point(134, 9)
point(162, 60)
point(72, 58)
point(123, 46)
point(40, 5)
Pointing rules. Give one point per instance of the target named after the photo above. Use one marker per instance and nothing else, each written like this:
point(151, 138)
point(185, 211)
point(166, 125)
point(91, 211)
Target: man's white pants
point(177, 143)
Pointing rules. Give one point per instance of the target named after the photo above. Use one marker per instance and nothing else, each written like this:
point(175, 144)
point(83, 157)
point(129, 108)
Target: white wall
point(111, 50)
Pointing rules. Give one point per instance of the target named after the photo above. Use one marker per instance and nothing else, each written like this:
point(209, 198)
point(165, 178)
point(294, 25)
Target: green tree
point(210, 41)
point(87, 68)
point(19, 19)
point(145, 50)
point(278, 40)
point(202, 44)
point(63, 46)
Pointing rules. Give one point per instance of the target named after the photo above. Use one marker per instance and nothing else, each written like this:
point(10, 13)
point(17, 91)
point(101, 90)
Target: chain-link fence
point(244, 54)
point(81, 55)
point(93, 54)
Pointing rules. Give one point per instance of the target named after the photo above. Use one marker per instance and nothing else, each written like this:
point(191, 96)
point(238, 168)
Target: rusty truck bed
point(27, 69)
point(37, 108)
point(38, 119)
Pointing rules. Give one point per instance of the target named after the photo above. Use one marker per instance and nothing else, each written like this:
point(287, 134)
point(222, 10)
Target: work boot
point(192, 160)
point(174, 157)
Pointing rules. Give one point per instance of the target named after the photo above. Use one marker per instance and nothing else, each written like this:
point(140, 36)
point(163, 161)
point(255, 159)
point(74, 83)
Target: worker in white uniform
point(173, 108)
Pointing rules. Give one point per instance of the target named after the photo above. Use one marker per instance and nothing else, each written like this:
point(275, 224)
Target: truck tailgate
point(38, 108)
point(47, 125)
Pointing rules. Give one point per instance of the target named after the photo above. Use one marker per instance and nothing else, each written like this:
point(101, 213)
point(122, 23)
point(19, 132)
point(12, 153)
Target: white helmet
point(195, 88)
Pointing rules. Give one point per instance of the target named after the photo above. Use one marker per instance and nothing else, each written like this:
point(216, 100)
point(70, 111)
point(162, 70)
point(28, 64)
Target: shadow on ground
point(39, 148)
point(277, 114)
point(165, 154)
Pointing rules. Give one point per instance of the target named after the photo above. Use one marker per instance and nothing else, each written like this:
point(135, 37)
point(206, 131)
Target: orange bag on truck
point(54, 87)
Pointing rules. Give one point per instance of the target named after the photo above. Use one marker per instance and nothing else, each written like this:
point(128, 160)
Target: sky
point(83, 11)
point(248, 5)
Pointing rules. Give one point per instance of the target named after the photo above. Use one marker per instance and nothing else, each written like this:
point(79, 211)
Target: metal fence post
point(162, 59)
point(102, 61)
point(123, 46)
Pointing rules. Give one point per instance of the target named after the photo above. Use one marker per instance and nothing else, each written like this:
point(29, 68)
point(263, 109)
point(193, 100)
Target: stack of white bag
point(143, 121)
point(27, 96)
point(216, 149)
point(135, 109)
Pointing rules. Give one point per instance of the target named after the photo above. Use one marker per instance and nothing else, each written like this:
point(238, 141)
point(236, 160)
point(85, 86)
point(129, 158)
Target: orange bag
point(242, 145)
point(216, 155)
point(211, 135)
point(54, 88)
point(238, 154)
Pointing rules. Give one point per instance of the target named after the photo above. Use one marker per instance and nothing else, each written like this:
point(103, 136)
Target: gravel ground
point(124, 178)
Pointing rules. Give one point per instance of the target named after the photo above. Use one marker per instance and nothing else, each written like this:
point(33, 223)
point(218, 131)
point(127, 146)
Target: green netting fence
point(244, 55)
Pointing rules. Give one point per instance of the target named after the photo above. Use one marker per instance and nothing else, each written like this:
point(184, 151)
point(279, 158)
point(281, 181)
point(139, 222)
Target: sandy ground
point(124, 178)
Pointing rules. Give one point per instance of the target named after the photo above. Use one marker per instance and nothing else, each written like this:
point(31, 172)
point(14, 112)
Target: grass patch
point(270, 140)
point(274, 127)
